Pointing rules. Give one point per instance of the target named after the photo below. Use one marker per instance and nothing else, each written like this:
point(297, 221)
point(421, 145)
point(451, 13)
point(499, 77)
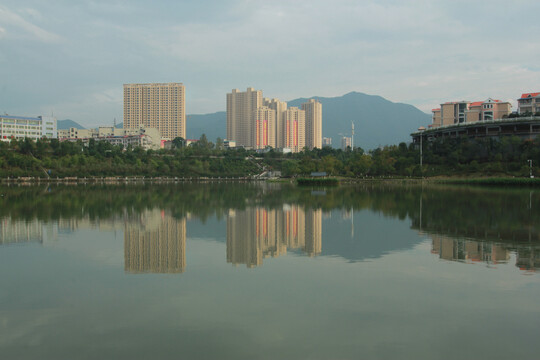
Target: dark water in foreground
point(255, 271)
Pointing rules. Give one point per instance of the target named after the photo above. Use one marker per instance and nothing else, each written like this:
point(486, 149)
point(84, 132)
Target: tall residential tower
point(160, 106)
point(241, 108)
point(313, 110)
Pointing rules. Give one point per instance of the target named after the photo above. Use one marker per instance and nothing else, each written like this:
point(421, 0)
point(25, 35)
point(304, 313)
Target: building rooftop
point(19, 117)
point(529, 95)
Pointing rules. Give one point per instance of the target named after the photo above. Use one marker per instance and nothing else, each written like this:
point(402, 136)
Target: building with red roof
point(529, 103)
point(457, 112)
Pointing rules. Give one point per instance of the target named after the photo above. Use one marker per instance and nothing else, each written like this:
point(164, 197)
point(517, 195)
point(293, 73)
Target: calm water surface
point(258, 271)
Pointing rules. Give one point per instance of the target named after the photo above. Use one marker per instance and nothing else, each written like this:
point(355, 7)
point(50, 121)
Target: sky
point(70, 58)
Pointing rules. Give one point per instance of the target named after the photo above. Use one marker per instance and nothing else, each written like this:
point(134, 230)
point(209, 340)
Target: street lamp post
point(421, 129)
point(530, 168)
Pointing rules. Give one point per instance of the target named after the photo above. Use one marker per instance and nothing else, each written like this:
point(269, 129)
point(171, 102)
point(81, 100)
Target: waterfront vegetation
point(504, 157)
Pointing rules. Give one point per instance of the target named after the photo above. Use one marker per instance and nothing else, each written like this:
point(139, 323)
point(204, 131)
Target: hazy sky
point(71, 57)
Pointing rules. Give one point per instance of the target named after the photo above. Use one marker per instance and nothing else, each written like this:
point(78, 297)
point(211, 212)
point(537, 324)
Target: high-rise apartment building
point(313, 110)
point(326, 141)
point(280, 107)
point(263, 128)
point(160, 106)
point(241, 108)
point(346, 143)
point(294, 129)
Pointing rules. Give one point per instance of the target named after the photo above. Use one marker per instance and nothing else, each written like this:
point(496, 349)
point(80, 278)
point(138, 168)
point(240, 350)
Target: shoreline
point(480, 181)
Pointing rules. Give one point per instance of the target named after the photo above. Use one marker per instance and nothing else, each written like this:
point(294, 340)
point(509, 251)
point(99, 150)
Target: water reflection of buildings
point(155, 243)
point(20, 231)
point(256, 233)
point(466, 250)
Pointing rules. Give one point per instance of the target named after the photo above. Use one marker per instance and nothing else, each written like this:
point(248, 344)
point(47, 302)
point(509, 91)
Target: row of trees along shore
point(506, 156)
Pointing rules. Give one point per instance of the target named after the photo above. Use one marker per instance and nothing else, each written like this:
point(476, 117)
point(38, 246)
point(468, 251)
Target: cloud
point(8, 17)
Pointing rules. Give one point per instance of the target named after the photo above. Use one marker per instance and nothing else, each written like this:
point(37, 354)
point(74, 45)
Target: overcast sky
point(71, 57)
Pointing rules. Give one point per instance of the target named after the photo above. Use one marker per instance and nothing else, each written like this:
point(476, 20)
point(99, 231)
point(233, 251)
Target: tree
point(179, 142)
point(219, 143)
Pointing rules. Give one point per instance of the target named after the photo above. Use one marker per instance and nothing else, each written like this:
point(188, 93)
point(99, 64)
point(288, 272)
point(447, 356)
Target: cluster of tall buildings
point(253, 122)
point(256, 122)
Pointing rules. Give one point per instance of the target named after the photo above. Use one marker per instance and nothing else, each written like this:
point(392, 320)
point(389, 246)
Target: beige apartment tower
point(241, 108)
point(280, 107)
point(263, 128)
point(159, 105)
point(294, 129)
point(313, 110)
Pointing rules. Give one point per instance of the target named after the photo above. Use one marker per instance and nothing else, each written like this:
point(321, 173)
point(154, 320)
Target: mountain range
point(377, 121)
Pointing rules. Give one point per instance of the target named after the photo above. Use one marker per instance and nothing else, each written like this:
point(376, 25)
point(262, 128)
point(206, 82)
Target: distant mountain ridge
point(377, 121)
point(66, 124)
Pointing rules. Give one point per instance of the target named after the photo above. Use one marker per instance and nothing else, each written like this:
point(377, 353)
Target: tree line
point(507, 155)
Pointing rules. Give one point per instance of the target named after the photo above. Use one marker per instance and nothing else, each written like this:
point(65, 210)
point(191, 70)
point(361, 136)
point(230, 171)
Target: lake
point(268, 271)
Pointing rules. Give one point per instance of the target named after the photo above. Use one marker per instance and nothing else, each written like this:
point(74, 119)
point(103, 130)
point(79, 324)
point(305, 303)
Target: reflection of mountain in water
point(361, 235)
point(257, 233)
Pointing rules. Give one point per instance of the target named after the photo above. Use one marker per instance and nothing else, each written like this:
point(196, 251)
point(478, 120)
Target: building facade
point(263, 128)
point(294, 129)
point(20, 127)
point(459, 112)
point(313, 110)
point(241, 108)
point(159, 105)
point(346, 142)
point(280, 108)
point(529, 103)
point(147, 138)
point(326, 141)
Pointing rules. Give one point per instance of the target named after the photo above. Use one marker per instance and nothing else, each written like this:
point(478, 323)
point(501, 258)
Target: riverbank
point(334, 181)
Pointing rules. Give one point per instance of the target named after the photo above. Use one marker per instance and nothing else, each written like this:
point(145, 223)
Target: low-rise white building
point(147, 138)
point(20, 127)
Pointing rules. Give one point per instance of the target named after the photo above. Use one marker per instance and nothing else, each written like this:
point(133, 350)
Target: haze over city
point(71, 58)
